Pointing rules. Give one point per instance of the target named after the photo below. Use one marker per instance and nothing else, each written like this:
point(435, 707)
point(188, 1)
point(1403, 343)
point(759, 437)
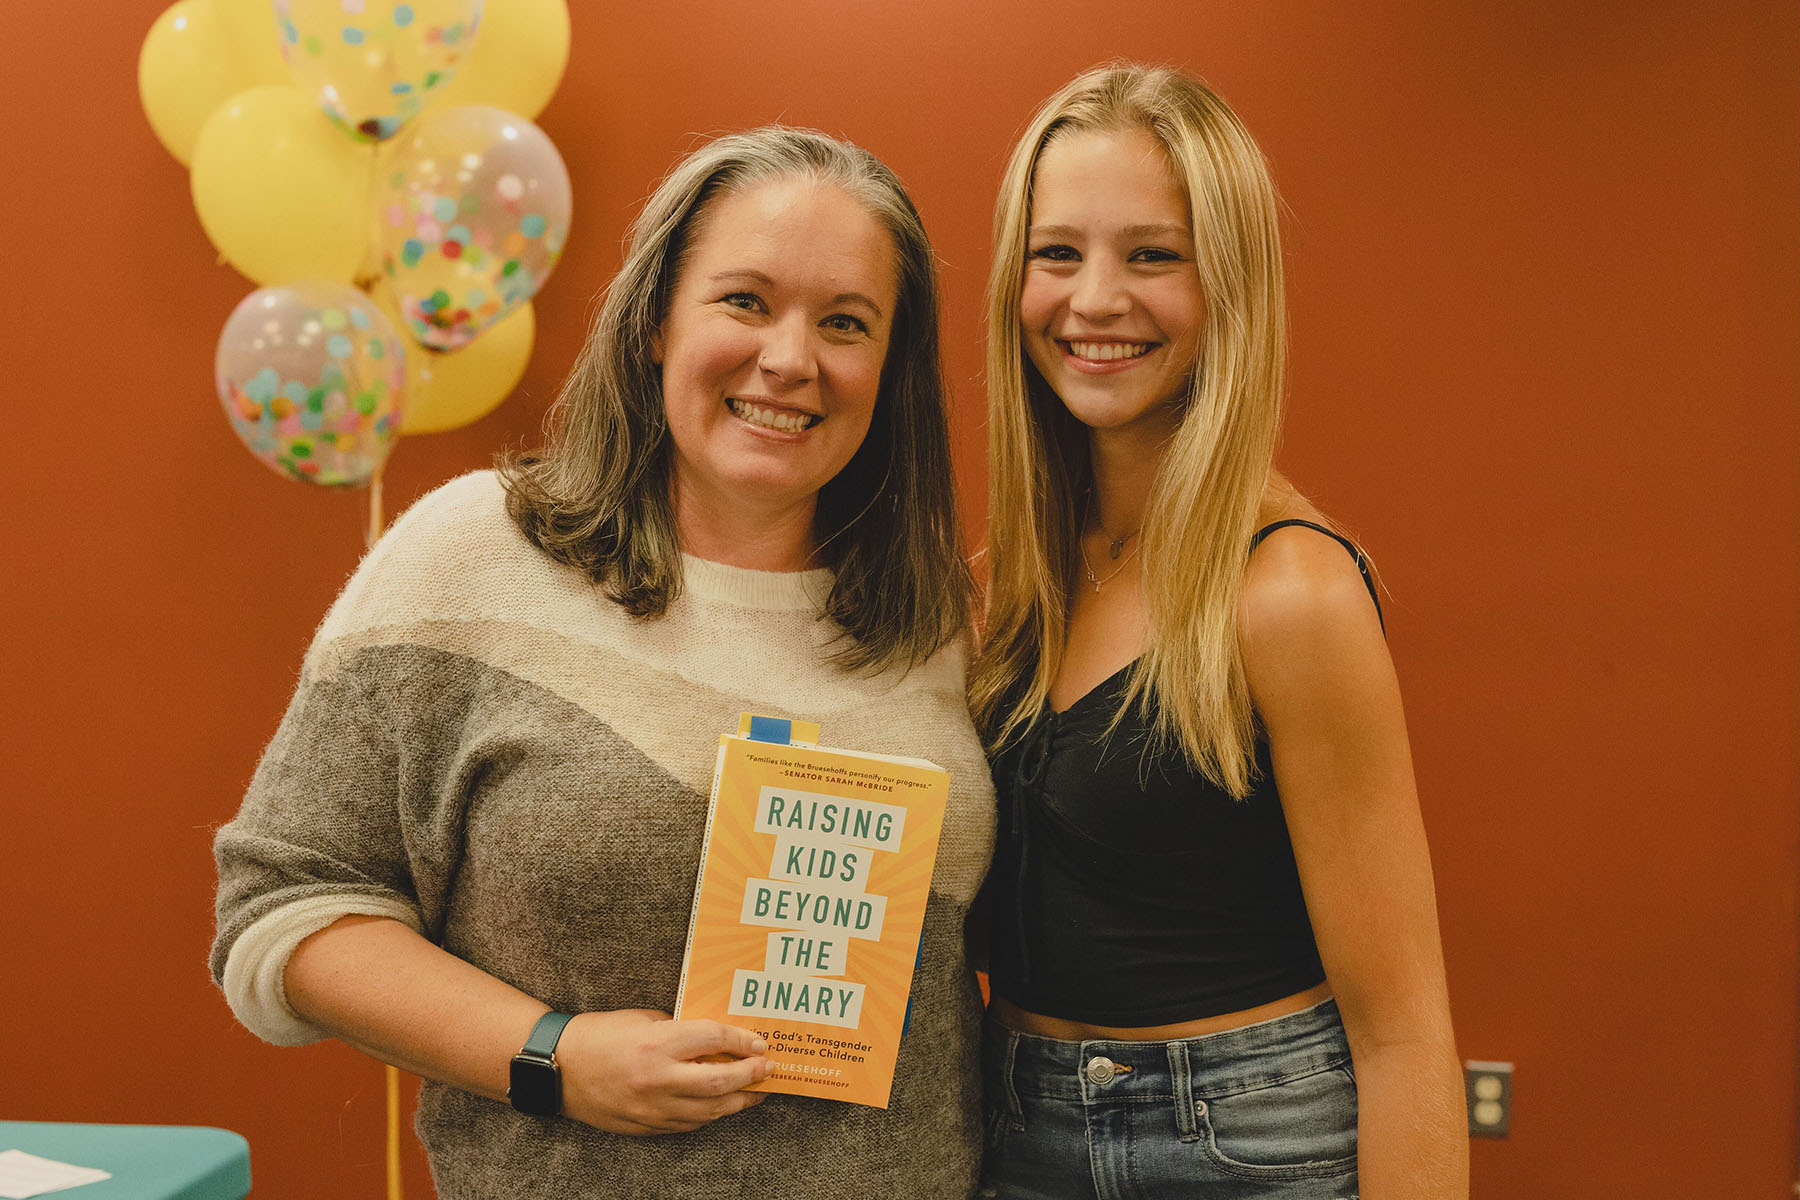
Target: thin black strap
point(1362, 560)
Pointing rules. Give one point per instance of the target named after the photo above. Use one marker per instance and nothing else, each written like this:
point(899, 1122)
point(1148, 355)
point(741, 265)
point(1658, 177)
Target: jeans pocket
point(1302, 1127)
point(994, 1122)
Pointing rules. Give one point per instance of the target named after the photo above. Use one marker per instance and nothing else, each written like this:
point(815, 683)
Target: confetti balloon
point(517, 61)
point(312, 377)
point(471, 214)
point(371, 65)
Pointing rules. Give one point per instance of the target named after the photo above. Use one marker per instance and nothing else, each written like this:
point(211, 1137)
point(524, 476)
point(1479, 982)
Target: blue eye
point(747, 301)
point(845, 323)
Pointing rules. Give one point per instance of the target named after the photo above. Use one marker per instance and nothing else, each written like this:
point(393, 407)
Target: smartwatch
point(536, 1079)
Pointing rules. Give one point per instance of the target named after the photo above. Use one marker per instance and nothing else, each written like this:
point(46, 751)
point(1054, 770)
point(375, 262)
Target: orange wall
point(1544, 309)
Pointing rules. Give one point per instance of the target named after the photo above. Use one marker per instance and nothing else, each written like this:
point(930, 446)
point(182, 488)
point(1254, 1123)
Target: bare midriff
point(1020, 1021)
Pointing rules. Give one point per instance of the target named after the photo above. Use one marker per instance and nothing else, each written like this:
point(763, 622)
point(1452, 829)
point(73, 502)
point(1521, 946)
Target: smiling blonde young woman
point(1213, 939)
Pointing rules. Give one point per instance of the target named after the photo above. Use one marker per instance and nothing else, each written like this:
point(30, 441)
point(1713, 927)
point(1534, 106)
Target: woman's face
point(772, 348)
point(1111, 311)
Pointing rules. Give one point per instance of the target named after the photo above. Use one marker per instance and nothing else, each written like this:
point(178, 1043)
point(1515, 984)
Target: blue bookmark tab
point(771, 729)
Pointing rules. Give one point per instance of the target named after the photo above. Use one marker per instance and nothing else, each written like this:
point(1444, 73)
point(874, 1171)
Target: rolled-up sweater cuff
point(254, 979)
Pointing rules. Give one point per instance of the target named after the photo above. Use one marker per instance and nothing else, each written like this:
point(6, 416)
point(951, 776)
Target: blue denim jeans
point(1266, 1111)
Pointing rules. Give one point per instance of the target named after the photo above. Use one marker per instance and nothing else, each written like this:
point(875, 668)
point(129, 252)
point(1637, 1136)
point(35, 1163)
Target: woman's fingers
point(709, 1079)
point(700, 1040)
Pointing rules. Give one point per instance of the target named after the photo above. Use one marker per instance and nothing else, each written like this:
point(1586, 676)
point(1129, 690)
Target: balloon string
point(393, 1134)
point(394, 1190)
point(375, 508)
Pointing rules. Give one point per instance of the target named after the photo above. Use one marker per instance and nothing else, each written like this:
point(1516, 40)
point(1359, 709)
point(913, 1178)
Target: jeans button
point(1100, 1069)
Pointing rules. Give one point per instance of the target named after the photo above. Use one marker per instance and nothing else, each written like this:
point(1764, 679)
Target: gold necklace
point(1113, 544)
point(1088, 570)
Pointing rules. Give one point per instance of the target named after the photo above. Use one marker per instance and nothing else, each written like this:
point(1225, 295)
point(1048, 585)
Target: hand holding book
point(637, 1071)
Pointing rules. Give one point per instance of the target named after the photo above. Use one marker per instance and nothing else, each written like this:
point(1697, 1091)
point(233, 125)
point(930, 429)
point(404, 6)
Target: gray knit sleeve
point(319, 836)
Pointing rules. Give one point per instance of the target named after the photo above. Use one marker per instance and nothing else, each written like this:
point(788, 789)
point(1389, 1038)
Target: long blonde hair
point(1207, 492)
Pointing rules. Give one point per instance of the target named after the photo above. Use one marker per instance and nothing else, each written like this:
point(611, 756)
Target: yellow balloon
point(445, 391)
point(186, 69)
point(250, 24)
point(517, 58)
point(282, 194)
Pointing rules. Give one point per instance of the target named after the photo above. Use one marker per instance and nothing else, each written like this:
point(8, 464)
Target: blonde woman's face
point(1111, 311)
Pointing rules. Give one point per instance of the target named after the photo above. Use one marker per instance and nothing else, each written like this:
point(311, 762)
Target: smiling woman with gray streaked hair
point(475, 834)
point(886, 525)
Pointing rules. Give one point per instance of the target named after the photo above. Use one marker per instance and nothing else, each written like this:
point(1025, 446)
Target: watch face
point(536, 1087)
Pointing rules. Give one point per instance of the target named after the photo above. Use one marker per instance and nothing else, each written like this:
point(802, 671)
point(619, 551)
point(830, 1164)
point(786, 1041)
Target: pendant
point(1115, 546)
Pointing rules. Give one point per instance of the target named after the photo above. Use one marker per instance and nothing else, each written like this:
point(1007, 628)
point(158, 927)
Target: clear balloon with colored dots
point(373, 65)
point(472, 211)
point(313, 380)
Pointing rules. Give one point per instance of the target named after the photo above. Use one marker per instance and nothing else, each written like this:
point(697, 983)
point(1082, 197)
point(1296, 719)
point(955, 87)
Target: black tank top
point(1127, 890)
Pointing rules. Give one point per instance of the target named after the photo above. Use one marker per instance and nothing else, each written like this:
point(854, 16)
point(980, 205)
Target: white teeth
point(786, 422)
point(1108, 351)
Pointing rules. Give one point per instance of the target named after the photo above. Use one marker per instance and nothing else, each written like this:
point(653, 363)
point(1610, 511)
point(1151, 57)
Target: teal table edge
point(147, 1162)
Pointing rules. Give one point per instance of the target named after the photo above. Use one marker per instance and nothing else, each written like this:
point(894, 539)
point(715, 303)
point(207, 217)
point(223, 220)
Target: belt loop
point(1181, 1080)
point(1013, 1108)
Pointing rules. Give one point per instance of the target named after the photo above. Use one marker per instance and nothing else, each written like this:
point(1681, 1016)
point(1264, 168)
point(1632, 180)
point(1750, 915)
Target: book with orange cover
point(809, 904)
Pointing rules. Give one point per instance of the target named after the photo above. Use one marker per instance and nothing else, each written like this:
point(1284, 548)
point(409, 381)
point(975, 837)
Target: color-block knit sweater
point(486, 748)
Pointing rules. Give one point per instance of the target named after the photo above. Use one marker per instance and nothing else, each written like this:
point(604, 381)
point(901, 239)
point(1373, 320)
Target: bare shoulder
point(1311, 637)
point(1304, 584)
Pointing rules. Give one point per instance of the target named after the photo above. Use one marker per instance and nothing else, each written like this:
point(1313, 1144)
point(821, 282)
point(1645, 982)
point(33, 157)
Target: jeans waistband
point(1214, 1064)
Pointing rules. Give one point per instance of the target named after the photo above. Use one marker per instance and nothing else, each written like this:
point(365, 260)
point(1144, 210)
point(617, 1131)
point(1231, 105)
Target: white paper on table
point(23, 1175)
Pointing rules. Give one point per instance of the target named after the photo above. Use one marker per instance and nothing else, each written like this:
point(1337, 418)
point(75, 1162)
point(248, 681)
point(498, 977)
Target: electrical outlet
point(1488, 1087)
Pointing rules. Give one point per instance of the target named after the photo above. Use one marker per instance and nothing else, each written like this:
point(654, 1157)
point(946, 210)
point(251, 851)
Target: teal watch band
point(536, 1080)
point(544, 1035)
